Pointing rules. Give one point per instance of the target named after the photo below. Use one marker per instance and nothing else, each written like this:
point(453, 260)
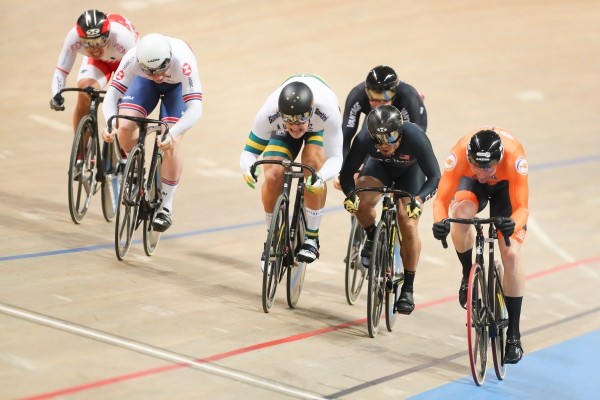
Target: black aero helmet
point(381, 78)
point(93, 27)
point(296, 103)
point(385, 124)
point(485, 149)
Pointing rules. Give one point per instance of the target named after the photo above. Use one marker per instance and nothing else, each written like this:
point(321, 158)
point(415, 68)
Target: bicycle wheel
point(129, 202)
point(500, 321)
point(355, 274)
point(82, 169)
point(394, 280)
point(274, 252)
point(376, 275)
point(296, 272)
point(151, 237)
point(477, 328)
point(111, 185)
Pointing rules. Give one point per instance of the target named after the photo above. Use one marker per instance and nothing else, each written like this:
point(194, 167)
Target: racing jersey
point(512, 168)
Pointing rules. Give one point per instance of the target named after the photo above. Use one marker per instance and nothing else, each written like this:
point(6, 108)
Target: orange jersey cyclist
point(488, 165)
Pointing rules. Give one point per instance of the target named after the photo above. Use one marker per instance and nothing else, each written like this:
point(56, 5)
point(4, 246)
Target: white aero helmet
point(153, 54)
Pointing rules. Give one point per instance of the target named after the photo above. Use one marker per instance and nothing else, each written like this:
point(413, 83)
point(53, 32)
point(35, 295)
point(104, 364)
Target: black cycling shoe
point(365, 254)
point(514, 351)
point(405, 303)
point(462, 293)
point(162, 221)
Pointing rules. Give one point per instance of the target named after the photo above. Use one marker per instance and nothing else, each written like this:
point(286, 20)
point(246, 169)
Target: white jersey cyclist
point(183, 70)
point(122, 37)
point(325, 119)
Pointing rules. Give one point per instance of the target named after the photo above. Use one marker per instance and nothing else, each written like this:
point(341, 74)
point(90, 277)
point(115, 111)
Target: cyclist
point(381, 86)
point(159, 67)
point(488, 165)
point(397, 151)
point(303, 111)
point(102, 39)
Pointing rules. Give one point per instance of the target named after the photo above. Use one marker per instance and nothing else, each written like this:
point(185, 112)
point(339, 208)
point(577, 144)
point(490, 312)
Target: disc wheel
point(274, 251)
point(376, 289)
point(129, 202)
point(477, 328)
point(355, 273)
point(82, 169)
point(295, 273)
point(152, 237)
point(501, 323)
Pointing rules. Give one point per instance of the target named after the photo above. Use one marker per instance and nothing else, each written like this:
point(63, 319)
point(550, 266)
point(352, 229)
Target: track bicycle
point(286, 236)
point(385, 273)
point(91, 166)
point(141, 195)
point(487, 317)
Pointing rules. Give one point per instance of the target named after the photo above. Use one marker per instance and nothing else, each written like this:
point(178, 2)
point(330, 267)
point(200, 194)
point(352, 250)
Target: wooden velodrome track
point(187, 323)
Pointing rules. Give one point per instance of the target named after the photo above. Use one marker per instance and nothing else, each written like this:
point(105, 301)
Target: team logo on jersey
point(120, 75)
point(273, 117)
point(186, 69)
point(521, 166)
point(321, 114)
point(450, 162)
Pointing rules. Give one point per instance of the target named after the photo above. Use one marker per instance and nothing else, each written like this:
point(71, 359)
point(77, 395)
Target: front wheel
point(82, 169)
point(379, 261)
point(395, 278)
point(500, 322)
point(477, 327)
point(151, 237)
point(355, 274)
point(129, 202)
point(111, 185)
point(274, 253)
point(296, 272)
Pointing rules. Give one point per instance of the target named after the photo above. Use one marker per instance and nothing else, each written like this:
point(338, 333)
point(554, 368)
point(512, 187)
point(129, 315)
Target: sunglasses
point(96, 42)
point(296, 119)
point(158, 70)
point(386, 95)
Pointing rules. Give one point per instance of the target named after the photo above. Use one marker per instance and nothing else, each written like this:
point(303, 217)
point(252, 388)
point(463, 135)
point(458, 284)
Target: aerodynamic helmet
point(381, 83)
point(93, 27)
point(485, 149)
point(385, 124)
point(153, 53)
point(296, 103)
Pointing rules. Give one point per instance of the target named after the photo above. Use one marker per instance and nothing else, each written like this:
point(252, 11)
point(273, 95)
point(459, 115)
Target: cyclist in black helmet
point(102, 39)
point(381, 86)
point(397, 151)
point(300, 116)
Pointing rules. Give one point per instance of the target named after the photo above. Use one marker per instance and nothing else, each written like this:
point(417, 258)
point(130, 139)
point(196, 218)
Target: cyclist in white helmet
point(159, 66)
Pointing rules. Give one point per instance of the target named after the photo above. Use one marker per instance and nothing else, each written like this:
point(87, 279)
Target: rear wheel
point(82, 169)
point(477, 328)
point(501, 322)
point(274, 253)
point(296, 272)
point(355, 274)
point(111, 186)
point(151, 237)
point(376, 274)
point(129, 202)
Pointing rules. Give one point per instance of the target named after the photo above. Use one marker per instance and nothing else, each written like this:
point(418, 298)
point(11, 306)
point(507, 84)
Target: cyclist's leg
point(514, 276)
point(470, 199)
point(94, 73)
point(313, 155)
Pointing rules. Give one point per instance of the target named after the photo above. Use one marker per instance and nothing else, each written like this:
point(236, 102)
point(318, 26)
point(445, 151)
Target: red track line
point(272, 343)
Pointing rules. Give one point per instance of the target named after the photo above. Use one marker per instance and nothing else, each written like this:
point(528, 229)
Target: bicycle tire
point(477, 327)
point(296, 273)
point(111, 185)
point(152, 237)
point(274, 253)
point(375, 293)
point(82, 170)
point(393, 283)
point(355, 272)
point(129, 202)
point(500, 322)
